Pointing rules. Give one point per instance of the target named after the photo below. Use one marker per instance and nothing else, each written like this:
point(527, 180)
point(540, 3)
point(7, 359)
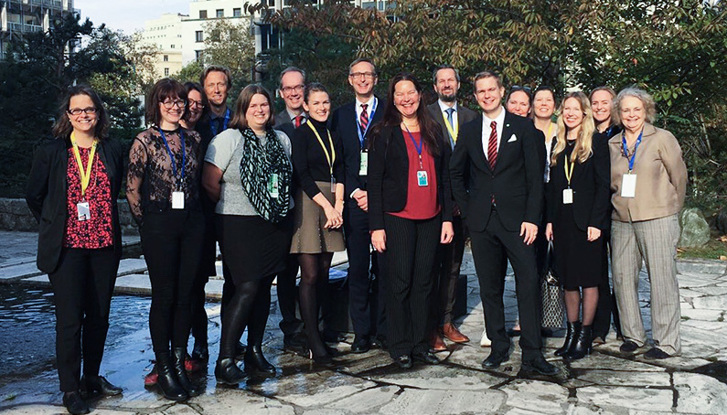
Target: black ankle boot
point(167, 379)
point(227, 372)
point(75, 404)
point(200, 352)
point(581, 347)
point(572, 332)
point(180, 354)
point(255, 361)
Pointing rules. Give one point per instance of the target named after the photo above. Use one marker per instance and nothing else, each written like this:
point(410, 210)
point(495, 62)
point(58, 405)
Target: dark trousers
point(82, 287)
point(170, 242)
point(288, 297)
point(408, 262)
point(450, 256)
point(207, 268)
point(606, 307)
point(488, 247)
point(365, 297)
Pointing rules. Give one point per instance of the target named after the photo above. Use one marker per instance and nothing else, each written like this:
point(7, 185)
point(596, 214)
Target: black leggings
point(170, 242)
point(313, 285)
point(248, 306)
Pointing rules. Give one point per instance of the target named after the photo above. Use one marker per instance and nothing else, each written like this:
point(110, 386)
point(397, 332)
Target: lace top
point(151, 179)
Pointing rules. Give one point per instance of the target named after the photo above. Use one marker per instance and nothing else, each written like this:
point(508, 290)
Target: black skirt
point(253, 248)
point(577, 261)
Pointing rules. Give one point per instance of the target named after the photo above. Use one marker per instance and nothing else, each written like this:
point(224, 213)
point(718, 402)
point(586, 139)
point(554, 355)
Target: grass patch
point(714, 249)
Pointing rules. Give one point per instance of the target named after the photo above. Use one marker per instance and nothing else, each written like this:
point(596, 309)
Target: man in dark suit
point(451, 117)
point(292, 85)
point(351, 122)
point(497, 181)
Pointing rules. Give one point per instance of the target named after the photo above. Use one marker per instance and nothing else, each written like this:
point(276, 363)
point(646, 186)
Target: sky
point(128, 15)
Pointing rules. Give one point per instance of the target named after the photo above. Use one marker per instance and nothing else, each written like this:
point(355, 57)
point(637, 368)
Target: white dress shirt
point(369, 108)
point(486, 130)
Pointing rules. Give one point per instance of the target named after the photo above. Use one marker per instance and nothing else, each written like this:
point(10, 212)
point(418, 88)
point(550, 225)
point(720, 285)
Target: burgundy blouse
point(421, 201)
point(96, 232)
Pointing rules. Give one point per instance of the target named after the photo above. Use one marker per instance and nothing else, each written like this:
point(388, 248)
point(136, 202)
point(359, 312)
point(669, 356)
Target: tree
point(230, 44)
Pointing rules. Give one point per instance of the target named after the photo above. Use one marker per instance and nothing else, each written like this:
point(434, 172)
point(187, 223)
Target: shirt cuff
point(354, 192)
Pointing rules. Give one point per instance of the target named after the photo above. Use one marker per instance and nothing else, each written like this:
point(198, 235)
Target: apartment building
point(18, 17)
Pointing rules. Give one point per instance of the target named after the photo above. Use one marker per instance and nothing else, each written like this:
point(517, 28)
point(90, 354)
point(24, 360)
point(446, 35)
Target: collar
point(370, 103)
point(292, 115)
point(649, 129)
point(444, 107)
point(500, 120)
point(214, 116)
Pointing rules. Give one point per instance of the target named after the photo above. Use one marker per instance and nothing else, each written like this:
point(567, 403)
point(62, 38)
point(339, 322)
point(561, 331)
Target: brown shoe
point(452, 333)
point(436, 343)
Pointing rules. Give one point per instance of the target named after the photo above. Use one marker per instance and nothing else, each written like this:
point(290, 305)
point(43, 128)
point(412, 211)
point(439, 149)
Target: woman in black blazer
point(578, 201)
point(410, 212)
point(72, 191)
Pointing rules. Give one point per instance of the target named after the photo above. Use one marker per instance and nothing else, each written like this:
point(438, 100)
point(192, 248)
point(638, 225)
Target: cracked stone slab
point(232, 401)
point(18, 271)
point(55, 410)
point(604, 361)
point(441, 377)
point(442, 402)
point(316, 389)
point(368, 401)
point(700, 394)
point(536, 396)
point(637, 398)
point(626, 378)
point(701, 314)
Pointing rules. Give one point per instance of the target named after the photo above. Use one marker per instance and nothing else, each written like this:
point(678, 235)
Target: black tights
point(249, 305)
point(313, 285)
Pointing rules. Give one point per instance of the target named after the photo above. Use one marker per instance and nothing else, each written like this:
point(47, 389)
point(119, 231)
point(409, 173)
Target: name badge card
point(333, 185)
point(567, 196)
point(364, 167)
point(422, 178)
point(628, 185)
point(273, 186)
point(177, 200)
point(84, 211)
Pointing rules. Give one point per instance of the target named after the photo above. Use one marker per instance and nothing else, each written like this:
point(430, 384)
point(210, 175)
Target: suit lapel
point(507, 132)
point(479, 147)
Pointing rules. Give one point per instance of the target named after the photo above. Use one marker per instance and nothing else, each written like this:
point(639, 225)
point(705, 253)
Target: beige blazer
point(661, 177)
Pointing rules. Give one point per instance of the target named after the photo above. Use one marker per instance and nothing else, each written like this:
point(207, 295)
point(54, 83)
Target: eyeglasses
point(195, 104)
point(78, 111)
point(365, 75)
point(169, 104)
point(289, 89)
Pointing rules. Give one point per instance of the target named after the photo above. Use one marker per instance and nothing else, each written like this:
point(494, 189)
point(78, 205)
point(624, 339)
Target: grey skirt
point(309, 236)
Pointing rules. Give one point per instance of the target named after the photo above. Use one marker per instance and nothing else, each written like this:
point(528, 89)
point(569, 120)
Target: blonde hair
point(584, 142)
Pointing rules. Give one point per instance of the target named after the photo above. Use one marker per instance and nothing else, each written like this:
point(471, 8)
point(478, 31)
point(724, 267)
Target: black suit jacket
point(345, 123)
point(46, 195)
point(388, 176)
point(464, 115)
point(516, 184)
point(591, 184)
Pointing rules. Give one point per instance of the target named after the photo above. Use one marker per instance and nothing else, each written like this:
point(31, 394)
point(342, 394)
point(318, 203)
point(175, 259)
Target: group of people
point(282, 192)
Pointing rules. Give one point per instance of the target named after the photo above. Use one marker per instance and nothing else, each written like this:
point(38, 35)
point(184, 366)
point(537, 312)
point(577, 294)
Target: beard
point(447, 98)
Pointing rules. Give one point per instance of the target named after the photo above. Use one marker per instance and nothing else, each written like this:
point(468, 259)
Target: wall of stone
point(15, 216)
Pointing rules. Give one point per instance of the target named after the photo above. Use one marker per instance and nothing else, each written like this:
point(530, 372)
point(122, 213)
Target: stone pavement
point(604, 383)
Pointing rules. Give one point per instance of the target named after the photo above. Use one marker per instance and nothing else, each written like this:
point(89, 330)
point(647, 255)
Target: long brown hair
point(430, 131)
point(584, 142)
point(63, 128)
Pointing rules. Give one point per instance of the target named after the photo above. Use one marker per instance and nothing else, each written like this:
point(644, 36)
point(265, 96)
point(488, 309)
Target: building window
point(198, 55)
point(220, 12)
point(166, 58)
point(166, 71)
point(203, 14)
point(198, 36)
point(172, 45)
point(237, 12)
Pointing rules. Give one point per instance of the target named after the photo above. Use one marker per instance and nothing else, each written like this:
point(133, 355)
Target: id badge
point(422, 179)
point(567, 196)
point(177, 200)
point(333, 185)
point(364, 167)
point(628, 185)
point(273, 186)
point(84, 211)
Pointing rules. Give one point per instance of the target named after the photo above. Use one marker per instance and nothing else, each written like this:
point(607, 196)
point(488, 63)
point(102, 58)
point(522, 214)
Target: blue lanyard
point(626, 149)
point(171, 155)
point(418, 147)
point(608, 131)
point(362, 134)
point(213, 125)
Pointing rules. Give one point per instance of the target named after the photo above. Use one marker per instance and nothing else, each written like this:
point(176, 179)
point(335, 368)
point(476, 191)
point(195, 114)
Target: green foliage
point(190, 72)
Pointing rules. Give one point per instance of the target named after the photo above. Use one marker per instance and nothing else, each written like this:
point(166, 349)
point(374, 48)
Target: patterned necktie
point(297, 121)
point(450, 120)
point(492, 146)
point(363, 120)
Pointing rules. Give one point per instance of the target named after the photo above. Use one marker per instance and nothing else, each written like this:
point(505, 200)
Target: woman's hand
point(378, 240)
point(549, 232)
point(447, 233)
point(339, 206)
point(593, 233)
point(334, 218)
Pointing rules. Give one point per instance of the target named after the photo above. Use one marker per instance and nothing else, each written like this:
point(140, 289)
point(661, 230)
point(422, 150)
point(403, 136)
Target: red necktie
point(297, 121)
point(492, 146)
point(363, 120)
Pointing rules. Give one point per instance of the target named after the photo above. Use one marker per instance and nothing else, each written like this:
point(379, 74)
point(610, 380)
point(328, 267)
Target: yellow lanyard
point(85, 176)
point(330, 159)
point(453, 131)
point(550, 128)
point(569, 173)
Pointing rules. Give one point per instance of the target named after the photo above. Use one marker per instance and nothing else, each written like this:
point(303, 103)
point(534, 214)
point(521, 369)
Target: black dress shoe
point(656, 353)
point(74, 403)
point(539, 365)
point(379, 342)
point(227, 372)
point(628, 347)
point(361, 344)
point(494, 360)
point(403, 361)
point(255, 361)
point(425, 357)
point(98, 385)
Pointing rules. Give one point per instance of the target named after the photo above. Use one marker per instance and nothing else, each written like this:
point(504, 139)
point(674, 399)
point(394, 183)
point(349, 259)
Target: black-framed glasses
point(169, 104)
point(289, 89)
point(365, 75)
point(196, 104)
point(78, 111)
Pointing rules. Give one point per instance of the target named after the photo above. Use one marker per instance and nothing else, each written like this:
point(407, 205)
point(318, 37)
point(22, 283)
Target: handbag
point(552, 294)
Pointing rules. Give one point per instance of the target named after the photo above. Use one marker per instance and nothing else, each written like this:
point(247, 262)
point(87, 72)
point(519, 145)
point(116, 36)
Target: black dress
point(577, 261)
